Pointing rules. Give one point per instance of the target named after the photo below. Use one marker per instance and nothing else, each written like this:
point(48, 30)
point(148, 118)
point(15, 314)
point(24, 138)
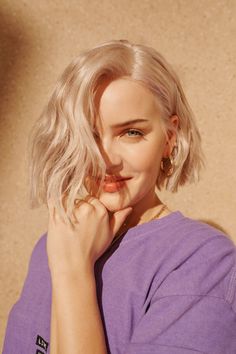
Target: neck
point(142, 212)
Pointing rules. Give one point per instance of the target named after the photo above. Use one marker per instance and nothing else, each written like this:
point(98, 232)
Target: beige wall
point(37, 40)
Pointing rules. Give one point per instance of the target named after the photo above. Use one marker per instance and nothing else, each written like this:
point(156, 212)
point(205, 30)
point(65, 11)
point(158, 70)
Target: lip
point(114, 179)
point(114, 185)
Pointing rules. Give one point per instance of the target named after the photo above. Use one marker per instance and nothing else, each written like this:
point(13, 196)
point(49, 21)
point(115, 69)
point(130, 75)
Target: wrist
point(63, 275)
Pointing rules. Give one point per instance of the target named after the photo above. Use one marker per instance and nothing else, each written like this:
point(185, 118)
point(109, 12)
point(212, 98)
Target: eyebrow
point(124, 124)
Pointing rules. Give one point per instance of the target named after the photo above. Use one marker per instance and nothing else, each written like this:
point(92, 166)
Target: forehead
point(124, 99)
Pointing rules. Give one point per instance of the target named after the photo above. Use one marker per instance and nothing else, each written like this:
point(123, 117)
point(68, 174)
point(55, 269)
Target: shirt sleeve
point(201, 318)
point(29, 318)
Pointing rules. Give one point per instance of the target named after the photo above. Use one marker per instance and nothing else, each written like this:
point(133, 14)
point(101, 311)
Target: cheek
point(145, 157)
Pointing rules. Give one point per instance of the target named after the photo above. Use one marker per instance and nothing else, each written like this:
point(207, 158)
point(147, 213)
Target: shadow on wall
point(218, 227)
point(16, 49)
point(15, 43)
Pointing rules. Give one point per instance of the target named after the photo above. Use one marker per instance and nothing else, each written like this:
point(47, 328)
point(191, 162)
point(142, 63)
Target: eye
point(134, 132)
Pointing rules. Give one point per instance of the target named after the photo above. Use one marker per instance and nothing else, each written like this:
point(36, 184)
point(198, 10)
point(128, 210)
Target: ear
point(171, 136)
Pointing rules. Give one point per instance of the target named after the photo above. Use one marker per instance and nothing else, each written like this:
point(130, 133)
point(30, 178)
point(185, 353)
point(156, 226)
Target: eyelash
point(134, 130)
point(140, 134)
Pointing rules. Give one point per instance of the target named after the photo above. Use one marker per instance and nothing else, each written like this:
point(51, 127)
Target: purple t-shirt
point(166, 287)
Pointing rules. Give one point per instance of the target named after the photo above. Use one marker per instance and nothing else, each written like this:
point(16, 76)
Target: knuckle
point(103, 211)
point(84, 209)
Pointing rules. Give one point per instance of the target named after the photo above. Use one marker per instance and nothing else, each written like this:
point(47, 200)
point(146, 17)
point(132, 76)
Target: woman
point(117, 270)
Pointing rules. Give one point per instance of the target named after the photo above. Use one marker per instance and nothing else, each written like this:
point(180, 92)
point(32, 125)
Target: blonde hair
point(62, 148)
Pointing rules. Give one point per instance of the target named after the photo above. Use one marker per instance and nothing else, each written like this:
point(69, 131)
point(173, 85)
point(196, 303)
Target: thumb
point(118, 219)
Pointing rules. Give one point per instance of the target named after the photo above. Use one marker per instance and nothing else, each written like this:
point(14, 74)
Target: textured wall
point(39, 38)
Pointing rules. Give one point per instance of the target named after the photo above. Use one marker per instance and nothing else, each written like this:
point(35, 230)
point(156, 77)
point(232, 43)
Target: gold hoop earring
point(167, 165)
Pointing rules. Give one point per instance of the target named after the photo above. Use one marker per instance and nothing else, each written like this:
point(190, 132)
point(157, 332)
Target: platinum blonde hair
point(62, 148)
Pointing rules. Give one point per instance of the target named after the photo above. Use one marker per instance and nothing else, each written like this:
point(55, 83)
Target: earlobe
point(166, 152)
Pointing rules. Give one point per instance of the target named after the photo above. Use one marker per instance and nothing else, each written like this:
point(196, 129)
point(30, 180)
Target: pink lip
point(111, 179)
point(115, 179)
point(111, 185)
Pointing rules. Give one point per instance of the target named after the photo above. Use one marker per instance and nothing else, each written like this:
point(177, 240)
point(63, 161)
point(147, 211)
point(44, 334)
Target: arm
point(193, 310)
point(53, 329)
point(76, 325)
point(76, 312)
point(185, 325)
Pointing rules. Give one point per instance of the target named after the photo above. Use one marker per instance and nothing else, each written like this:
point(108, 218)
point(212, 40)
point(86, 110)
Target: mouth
point(114, 179)
point(112, 184)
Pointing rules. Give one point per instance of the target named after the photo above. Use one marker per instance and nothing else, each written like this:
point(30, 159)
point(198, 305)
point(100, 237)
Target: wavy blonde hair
point(62, 148)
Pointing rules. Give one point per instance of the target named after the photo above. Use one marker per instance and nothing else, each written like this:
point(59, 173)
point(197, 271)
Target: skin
point(129, 153)
point(73, 250)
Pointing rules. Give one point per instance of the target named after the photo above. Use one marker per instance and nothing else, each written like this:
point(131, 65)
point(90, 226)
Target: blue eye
point(137, 132)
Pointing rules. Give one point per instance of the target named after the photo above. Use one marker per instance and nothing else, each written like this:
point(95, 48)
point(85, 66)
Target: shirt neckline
point(147, 226)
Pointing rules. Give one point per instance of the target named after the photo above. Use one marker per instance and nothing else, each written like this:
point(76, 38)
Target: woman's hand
point(76, 246)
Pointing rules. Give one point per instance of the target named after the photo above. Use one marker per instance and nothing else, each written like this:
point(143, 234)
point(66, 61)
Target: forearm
point(76, 323)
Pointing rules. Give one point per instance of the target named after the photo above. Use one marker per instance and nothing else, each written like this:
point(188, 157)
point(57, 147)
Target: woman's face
point(132, 143)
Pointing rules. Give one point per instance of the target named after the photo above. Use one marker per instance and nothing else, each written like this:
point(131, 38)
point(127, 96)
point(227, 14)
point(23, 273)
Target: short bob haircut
point(62, 148)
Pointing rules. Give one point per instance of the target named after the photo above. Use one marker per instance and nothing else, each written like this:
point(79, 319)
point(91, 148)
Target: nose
point(111, 154)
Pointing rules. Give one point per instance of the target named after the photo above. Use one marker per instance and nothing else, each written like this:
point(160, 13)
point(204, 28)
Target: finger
point(118, 219)
point(90, 199)
point(94, 201)
point(81, 204)
point(78, 202)
point(77, 205)
point(53, 210)
point(82, 208)
point(99, 206)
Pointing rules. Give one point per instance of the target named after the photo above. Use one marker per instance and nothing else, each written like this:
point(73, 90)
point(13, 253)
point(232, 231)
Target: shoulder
point(203, 262)
point(196, 227)
point(188, 240)
point(190, 300)
point(199, 236)
point(211, 246)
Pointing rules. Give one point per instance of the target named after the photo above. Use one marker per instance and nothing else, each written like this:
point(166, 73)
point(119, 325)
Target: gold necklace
point(154, 217)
